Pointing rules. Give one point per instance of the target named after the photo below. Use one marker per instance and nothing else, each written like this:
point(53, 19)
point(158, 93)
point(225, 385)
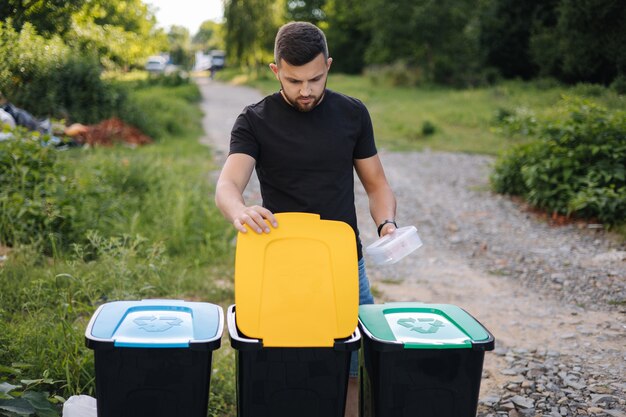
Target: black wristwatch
point(380, 226)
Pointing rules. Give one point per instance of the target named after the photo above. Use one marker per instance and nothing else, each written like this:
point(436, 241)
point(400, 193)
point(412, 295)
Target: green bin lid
point(424, 326)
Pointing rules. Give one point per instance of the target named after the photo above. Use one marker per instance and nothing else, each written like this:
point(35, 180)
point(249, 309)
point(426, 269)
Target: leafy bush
point(44, 77)
point(428, 128)
point(519, 122)
point(80, 93)
point(577, 166)
point(34, 204)
point(27, 398)
point(619, 84)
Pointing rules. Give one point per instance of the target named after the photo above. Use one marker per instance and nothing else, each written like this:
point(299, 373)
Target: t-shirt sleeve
point(365, 145)
point(242, 138)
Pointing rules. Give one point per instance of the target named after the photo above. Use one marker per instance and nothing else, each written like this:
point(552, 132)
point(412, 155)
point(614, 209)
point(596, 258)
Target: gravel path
point(554, 297)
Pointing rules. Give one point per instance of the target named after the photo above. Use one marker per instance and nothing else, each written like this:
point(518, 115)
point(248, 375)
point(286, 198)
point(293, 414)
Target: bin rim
point(210, 343)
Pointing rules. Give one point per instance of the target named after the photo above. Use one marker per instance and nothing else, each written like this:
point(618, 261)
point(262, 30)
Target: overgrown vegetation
point(91, 225)
point(463, 120)
point(576, 166)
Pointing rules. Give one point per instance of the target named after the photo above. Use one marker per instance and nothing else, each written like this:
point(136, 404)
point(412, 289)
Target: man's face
point(303, 86)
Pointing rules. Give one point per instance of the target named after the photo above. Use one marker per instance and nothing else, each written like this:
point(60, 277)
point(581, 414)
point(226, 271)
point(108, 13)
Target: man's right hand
point(229, 196)
point(256, 218)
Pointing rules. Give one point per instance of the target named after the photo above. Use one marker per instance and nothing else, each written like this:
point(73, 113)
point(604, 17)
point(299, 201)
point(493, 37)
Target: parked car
point(218, 59)
point(156, 64)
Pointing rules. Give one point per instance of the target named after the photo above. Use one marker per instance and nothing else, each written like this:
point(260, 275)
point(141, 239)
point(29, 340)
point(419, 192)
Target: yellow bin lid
point(297, 286)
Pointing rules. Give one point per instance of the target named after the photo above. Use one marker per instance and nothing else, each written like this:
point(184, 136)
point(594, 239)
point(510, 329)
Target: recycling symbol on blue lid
point(424, 325)
point(157, 324)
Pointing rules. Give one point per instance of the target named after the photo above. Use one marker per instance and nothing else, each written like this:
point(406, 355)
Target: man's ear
point(274, 69)
point(328, 62)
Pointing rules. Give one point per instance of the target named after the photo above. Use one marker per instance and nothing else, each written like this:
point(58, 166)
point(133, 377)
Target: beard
point(301, 103)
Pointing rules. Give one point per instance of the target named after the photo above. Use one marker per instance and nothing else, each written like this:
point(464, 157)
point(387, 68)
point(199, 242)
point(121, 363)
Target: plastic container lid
point(155, 324)
point(424, 326)
point(297, 286)
point(392, 247)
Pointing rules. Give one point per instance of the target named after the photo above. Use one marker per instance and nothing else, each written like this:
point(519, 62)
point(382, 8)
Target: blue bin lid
point(156, 323)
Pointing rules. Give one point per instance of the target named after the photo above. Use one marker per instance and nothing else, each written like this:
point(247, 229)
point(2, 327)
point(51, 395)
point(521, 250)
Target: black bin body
point(133, 382)
point(398, 379)
point(153, 357)
point(290, 381)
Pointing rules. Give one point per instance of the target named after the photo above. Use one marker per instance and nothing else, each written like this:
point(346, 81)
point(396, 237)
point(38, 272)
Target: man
point(304, 142)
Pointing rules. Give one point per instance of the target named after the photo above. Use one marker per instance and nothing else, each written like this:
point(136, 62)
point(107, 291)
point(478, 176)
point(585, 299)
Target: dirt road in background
point(554, 297)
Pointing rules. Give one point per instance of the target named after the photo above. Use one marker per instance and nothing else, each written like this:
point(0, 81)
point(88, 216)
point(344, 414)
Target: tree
point(122, 33)
point(48, 17)
point(436, 37)
point(347, 33)
point(593, 40)
point(505, 35)
point(180, 46)
point(209, 36)
point(306, 10)
point(250, 29)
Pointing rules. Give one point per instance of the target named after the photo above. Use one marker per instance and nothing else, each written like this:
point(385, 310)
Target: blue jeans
point(365, 297)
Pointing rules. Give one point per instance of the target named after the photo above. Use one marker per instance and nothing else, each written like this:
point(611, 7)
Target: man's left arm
point(382, 201)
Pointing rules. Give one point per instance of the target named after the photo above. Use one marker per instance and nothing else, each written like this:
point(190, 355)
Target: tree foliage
point(347, 33)
point(121, 33)
point(180, 46)
point(593, 39)
point(572, 40)
point(462, 42)
point(250, 29)
point(308, 11)
point(210, 36)
point(48, 17)
point(505, 33)
point(436, 37)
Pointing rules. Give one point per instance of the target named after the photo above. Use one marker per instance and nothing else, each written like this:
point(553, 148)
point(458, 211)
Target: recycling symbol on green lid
point(157, 324)
point(424, 326)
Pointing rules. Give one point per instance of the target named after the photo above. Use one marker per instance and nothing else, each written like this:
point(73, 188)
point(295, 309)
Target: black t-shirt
point(304, 160)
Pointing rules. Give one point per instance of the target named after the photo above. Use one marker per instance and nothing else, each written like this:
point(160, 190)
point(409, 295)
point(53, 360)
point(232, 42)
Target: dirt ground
point(518, 316)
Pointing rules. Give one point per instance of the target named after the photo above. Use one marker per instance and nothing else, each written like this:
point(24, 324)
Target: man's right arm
point(229, 190)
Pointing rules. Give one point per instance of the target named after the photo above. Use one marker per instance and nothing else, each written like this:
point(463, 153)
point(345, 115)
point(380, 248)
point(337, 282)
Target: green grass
point(463, 119)
point(142, 224)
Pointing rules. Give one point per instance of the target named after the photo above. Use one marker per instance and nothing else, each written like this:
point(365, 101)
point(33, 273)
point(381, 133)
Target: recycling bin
point(290, 381)
point(153, 357)
point(421, 360)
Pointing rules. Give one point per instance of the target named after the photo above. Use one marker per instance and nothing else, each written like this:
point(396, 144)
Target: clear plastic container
point(392, 247)
point(80, 406)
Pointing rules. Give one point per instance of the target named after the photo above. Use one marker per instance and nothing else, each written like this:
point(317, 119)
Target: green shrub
point(519, 122)
point(81, 94)
point(619, 84)
point(428, 128)
point(34, 204)
point(589, 90)
point(577, 166)
point(46, 78)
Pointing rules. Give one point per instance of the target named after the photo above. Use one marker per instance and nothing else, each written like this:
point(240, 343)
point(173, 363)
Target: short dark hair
point(298, 43)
